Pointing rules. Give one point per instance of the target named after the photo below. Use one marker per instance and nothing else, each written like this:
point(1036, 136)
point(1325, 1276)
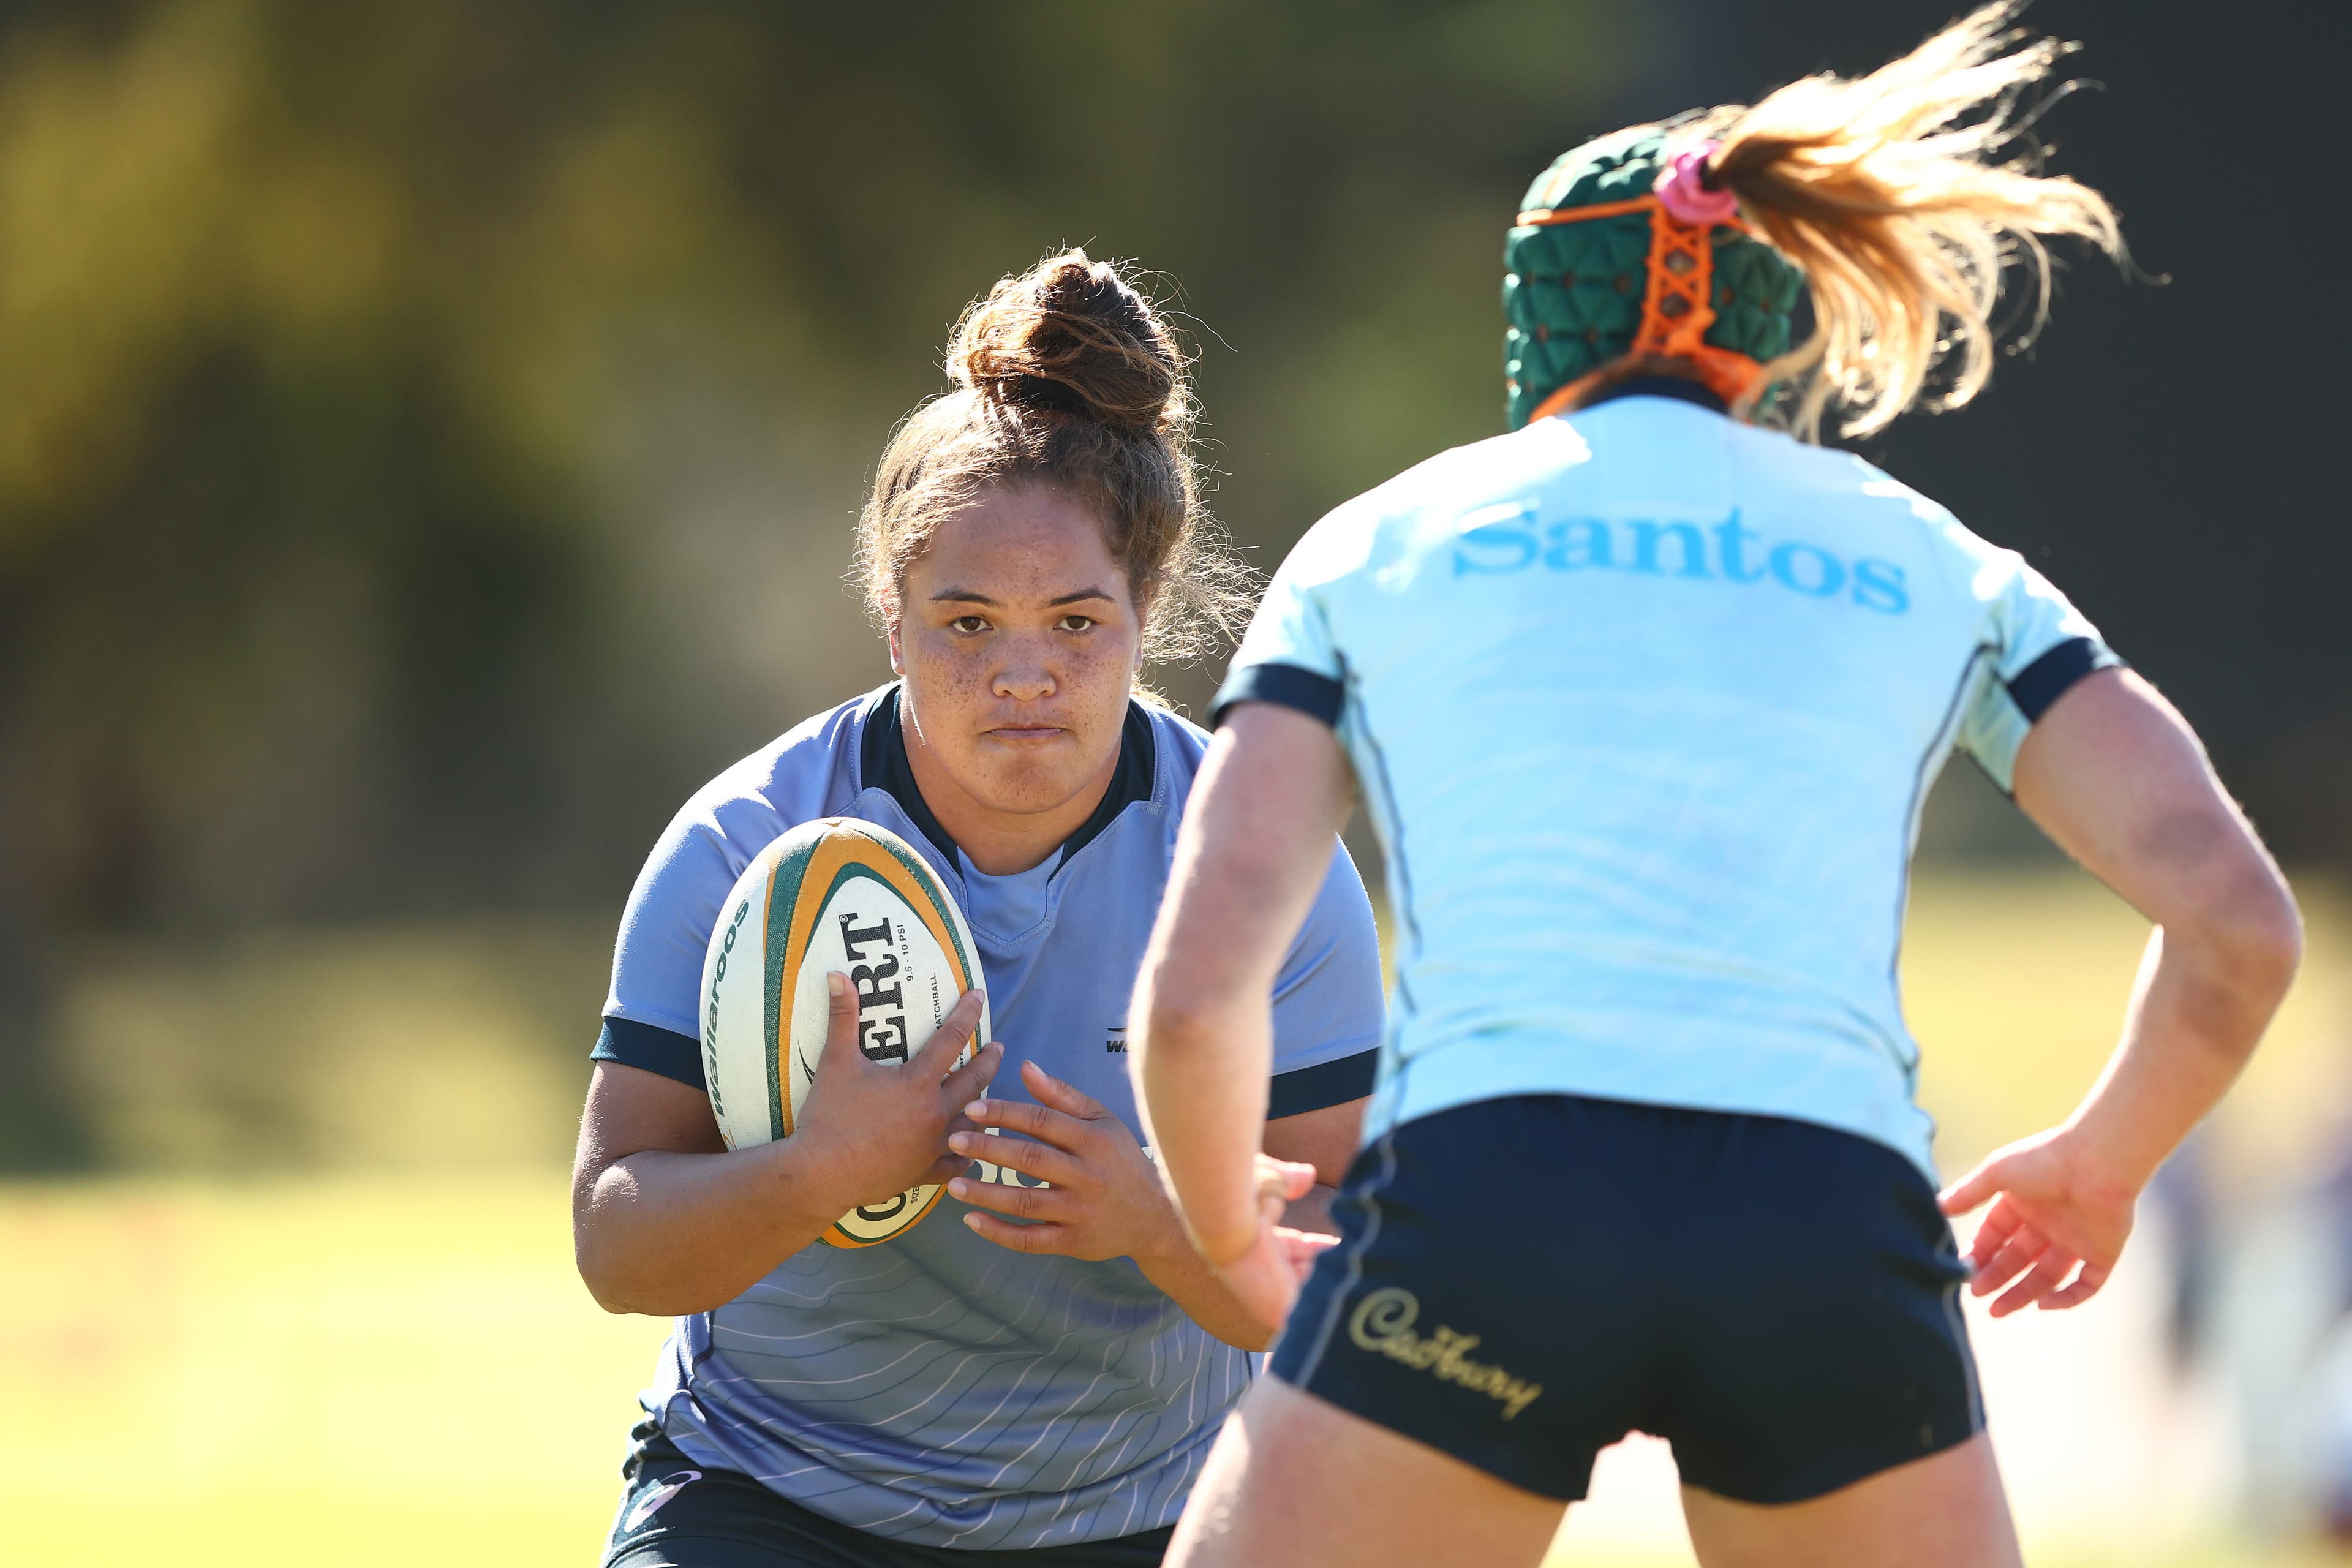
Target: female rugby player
point(1040, 1367)
point(1644, 698)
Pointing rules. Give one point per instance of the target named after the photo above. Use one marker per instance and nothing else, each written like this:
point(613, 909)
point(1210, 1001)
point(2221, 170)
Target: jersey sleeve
point(649, 1012)
point(1290, 656)
point(2037, 646)
point(1328, 1009)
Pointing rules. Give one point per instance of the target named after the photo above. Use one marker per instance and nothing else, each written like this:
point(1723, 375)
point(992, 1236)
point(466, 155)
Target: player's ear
point(898, 655)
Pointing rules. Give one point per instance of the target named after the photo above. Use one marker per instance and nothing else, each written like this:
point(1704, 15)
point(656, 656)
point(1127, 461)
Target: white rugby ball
point(836, 895)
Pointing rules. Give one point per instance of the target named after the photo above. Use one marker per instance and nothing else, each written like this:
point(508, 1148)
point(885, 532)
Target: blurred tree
point(429, 433)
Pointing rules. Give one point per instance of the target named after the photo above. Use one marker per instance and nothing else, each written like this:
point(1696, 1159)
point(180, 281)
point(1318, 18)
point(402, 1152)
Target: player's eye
point(970, 625)
point(1077, 623)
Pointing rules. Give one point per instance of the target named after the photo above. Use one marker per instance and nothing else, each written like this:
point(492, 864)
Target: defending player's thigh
point(1946, 1510)
point(1294, 1482)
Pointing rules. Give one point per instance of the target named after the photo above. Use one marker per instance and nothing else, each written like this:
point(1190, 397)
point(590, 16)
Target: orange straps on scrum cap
point(1677, 307)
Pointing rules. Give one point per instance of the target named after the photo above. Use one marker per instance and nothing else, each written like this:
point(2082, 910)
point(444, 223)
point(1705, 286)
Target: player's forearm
point(666, 1234)
point(2204, 995)
point(1193, 1285)
point(1200, 1068)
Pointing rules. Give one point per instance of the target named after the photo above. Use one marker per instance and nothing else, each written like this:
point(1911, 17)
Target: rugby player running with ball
point(1644, 698)
point(1038, 1369)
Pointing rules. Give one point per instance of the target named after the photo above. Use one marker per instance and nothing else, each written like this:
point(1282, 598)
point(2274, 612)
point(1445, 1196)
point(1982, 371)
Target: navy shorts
point(1521, 1282)
point(677, 1514)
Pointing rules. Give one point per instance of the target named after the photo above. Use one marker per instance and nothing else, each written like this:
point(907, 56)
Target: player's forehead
point(1028, 549)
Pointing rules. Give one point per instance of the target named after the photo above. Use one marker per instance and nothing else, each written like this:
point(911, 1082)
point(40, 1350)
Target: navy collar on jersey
point(882, 764)
point(1660, 386)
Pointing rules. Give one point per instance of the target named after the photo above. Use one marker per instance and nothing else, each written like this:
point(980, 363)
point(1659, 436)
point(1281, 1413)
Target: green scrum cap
point(1622, 248)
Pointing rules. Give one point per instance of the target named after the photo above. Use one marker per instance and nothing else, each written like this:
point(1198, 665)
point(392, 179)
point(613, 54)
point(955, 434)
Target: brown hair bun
point(1071, 336)
point(1065, 376)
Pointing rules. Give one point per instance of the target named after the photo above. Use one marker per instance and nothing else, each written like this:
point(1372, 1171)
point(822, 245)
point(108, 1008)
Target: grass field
point(383, 1366)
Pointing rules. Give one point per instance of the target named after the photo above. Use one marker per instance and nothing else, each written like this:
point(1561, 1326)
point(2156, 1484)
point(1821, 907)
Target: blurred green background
point(429, 436)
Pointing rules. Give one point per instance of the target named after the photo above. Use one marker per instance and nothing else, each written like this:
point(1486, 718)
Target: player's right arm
point(665, 1220)
point(2116, 776)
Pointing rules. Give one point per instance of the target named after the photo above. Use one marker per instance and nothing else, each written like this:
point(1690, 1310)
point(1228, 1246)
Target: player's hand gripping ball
point(832, 897)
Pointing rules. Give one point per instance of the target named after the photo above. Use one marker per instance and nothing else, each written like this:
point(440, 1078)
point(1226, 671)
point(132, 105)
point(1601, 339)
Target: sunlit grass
point(378, 1367)
point(345, 1370)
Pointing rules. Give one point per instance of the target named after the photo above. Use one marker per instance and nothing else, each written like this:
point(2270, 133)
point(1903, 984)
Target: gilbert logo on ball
point(833, 896)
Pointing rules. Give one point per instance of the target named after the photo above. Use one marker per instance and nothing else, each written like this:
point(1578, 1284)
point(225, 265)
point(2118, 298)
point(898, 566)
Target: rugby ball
point(836, 895)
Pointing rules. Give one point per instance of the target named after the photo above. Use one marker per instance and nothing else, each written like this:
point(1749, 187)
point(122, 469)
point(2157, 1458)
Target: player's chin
point(1029, 781)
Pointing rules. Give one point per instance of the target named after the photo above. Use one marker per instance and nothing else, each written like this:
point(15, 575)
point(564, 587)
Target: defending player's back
point(1734, 662)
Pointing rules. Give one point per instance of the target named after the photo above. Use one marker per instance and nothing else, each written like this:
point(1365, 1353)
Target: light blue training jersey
point(939, 1388)
point(1645, 702)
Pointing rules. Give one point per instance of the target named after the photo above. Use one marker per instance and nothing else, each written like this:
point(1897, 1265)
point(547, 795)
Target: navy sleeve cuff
point(649, 1049)
point(1320, 1087)
point(2048, 678)
point(1311, 692)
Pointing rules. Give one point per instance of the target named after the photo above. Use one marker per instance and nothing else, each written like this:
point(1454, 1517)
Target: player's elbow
point(607, 1282)
point(615, 1280)
point(2256, 930)
point(1178, 1017)
point(2240, 942)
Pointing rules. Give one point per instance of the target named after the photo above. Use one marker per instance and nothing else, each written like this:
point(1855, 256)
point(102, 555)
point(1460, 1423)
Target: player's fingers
point(1040, 1239)
point(1066, 1098)
point(944, 1169)
point(1271, 1206)
point(1023, 1154)
point(2012, 1260)
point(1288, 1179)
point(2044, 1279)
point(2000, 1222)
point(840, 1015)
point(946, 1042)
point(1972, 1189)
point(971, 1081)
point(1021, 1203)
point(1300, 1248)
point(2085, 1285)
point(1021, 1116)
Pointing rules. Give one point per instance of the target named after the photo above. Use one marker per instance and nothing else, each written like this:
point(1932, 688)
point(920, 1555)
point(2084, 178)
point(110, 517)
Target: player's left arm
point(1250, 859)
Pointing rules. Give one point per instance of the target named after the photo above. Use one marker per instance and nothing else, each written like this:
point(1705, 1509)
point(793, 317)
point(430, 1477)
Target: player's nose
point(1026, 682)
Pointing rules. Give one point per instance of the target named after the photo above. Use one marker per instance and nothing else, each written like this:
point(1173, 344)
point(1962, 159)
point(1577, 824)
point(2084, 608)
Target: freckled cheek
point(957, 673)
point(1101, 678)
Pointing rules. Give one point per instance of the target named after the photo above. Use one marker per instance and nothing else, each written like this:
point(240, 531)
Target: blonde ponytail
point(1886, 193)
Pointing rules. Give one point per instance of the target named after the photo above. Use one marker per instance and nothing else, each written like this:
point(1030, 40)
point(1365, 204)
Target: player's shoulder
point(1828, 475)
point(1391, 518)
point(1462, 478)
point(803, 774)
point(1830, 482)
point(1178, 745)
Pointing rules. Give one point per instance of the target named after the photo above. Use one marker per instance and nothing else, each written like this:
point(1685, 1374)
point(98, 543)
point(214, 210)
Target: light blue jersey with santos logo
point(939, 1388)
point(1645, 702)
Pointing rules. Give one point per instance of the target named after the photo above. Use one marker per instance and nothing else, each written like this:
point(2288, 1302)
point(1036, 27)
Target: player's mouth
point(1027, 734)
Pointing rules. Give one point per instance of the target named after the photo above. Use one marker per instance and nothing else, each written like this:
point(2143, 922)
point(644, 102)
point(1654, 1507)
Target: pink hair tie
point(1682, 190)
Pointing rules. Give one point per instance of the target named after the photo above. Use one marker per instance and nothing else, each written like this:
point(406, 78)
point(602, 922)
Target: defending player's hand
point(1102, 1198)
point(1269, 1276)
point(2053, 1209)
point(882, 1129)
